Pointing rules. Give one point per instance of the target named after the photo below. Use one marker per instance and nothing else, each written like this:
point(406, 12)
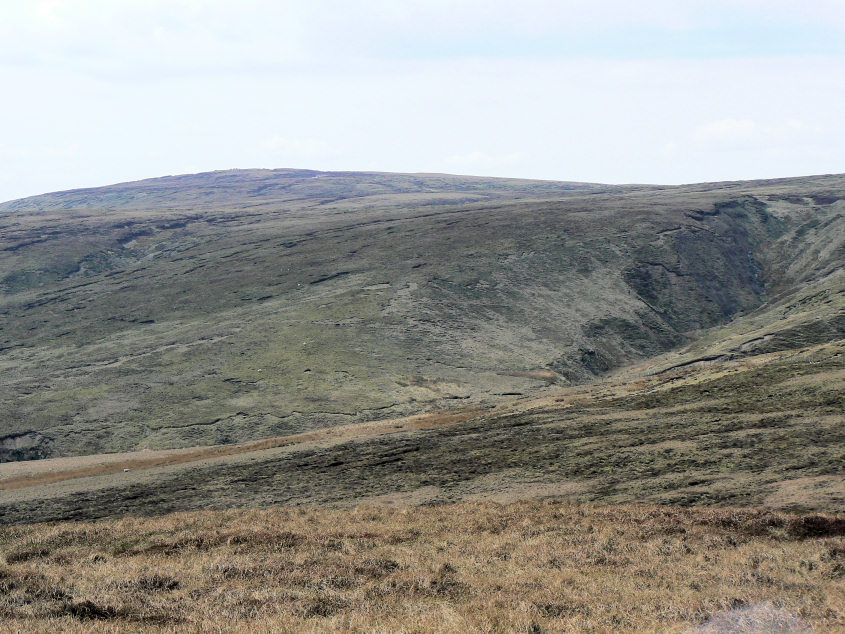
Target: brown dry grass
point(526, 566)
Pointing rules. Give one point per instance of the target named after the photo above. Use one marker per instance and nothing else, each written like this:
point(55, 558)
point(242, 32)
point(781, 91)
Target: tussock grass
point(526, 566)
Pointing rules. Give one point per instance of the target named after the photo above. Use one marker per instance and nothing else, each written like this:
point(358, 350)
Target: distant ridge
point(223, 186)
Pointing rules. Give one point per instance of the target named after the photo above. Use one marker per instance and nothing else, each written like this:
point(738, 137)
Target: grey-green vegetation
point(764, 432)
point(238, 305)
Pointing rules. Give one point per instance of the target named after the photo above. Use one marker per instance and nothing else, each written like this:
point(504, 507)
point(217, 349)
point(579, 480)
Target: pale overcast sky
point(661, 91)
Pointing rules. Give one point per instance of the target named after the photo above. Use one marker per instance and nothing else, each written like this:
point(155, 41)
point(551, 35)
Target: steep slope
point(239, 305)
point(805, 299)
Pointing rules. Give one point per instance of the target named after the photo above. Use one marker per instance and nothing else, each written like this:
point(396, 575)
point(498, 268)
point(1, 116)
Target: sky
point(94, 92)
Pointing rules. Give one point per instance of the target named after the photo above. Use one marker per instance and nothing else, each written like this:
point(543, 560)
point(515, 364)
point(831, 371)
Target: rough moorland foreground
point(530, 567)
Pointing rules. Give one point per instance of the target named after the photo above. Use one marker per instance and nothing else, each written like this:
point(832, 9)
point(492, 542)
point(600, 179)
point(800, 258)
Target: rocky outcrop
point(26, 446)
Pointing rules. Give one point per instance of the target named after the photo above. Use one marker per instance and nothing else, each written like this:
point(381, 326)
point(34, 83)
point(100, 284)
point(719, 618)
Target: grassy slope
point(765, 430)
point(748, 413)
point(240, 305)
point(172, 328)
point(531, 567)
point(762, 431)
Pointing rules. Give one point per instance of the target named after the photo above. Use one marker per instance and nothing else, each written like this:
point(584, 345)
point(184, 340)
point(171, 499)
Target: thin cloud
point(299, 148)
point(731, 132)
point(728, 131)
point(38, 152)
point(569, 90)
point(477, 159)
point(171, 36)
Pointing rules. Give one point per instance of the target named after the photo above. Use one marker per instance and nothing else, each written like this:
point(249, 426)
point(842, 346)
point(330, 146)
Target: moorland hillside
point(232, 306)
